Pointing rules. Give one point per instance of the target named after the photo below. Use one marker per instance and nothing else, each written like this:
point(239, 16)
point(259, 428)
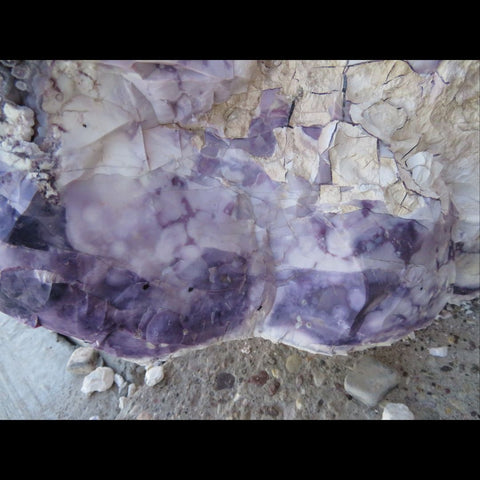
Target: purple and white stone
point(132, 218)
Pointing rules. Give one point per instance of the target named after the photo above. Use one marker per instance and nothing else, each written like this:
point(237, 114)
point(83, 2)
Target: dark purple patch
point(312, 132)
point(207, 165)
point(274, 387)
point(224, 380)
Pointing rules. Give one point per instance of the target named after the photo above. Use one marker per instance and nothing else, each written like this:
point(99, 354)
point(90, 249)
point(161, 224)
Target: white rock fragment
point(132, 388)
point(381, 119)
point(120, 382)
point(370, 381)
point(154, 375)
point(100, 380)
point(424, 169)
point(95, 417)
point(122, 402)
point(354, 157)
point(397, 411)
point(438, 351)
point(82, 361)
point(317, 108)
point(17, 122)
point(387, 171)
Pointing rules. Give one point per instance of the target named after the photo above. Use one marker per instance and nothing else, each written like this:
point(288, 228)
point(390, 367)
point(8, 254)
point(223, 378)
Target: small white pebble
point(95, 417)
point(397, 411)
point(121, 402)
point(275, 372)
point(119, 381)
point(438, 351)
point(132, 388)
point(154, 375)
point(100, 380)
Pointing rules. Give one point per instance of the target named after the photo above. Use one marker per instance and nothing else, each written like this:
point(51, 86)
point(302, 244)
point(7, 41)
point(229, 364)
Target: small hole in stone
point(146, 286)
point(84, 125)
point(190, 289)
point(259, 308)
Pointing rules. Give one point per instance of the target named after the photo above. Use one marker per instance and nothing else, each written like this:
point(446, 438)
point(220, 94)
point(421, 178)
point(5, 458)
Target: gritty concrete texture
point(247, 379)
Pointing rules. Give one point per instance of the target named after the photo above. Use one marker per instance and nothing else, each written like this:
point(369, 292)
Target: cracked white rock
point(317, 108)
point(100, 380)
point(354, 157)
point(397, 411)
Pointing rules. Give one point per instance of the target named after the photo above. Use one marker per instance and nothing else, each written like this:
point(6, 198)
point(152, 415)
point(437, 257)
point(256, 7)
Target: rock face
point(151, 207)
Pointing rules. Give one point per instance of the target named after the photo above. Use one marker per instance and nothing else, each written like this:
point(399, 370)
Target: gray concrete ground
point(252, 379)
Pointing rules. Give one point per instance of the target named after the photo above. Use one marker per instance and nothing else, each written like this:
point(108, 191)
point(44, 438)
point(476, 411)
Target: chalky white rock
point(397, 411)
point(154, 375)
point(438, 351)
point(100, 380)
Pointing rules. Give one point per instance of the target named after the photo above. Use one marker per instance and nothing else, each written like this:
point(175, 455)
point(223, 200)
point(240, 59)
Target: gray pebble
point(318, 378)
point(82, 361)
point(370, 381)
